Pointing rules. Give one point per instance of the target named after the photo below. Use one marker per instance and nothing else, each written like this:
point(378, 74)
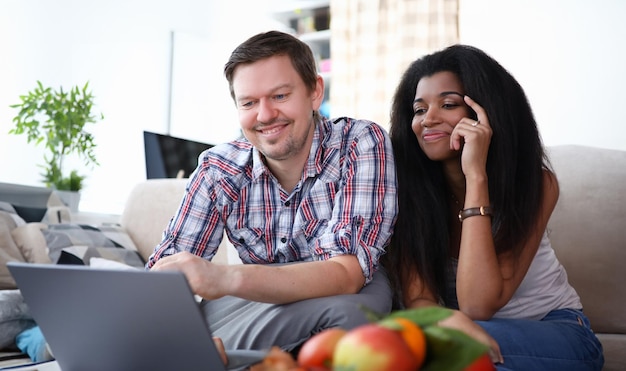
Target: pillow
point(5, 206)
point(8, 250)
point(31, 243)
point(60, 236)
point(83, 255)
point(10, 210)
point(30, 214)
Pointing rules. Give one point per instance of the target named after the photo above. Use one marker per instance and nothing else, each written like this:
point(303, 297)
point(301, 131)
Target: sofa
point(587, 229)
point(149, 207)
point(588, 233)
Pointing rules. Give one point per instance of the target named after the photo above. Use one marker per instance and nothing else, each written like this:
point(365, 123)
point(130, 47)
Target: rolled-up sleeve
point(365, 205)
point(196, 227)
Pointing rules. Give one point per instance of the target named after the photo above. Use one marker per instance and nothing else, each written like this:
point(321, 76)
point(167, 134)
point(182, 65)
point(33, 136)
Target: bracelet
point(474, 211)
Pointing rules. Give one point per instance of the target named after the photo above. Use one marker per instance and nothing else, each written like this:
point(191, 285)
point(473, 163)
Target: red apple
point(482, 363)
point(317, 351)
point(372, 347)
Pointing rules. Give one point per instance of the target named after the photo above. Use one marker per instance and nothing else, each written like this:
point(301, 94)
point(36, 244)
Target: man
point(308, 203)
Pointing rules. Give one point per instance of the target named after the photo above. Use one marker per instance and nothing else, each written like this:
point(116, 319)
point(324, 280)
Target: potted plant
point(58, 119)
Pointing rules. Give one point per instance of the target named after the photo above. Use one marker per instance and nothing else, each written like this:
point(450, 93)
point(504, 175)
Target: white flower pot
point(71, 199)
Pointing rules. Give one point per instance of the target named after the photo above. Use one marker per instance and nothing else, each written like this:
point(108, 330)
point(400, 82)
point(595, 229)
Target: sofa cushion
point(8, 250)
point(30, 214)
point(150, 206)
point(82, 255)
point(12, 213)
point(42, 243)
point(31, 242)
point(588, 230)
point(60, 236)
point(148, 209)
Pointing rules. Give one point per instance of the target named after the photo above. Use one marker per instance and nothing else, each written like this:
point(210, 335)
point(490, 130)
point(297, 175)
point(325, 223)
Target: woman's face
point(438, 107)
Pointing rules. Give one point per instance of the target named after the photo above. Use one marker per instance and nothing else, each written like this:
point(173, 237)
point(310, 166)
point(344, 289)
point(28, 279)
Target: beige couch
point(149, 208)
point(588, 232)
point(587, 229)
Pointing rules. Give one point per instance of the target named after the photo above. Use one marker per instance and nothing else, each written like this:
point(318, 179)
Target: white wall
point(123, 48)
point(569, 56)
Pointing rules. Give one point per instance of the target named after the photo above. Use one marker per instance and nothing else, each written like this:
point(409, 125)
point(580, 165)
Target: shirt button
point(283, 240)
point(241, 240)
point(287, 203)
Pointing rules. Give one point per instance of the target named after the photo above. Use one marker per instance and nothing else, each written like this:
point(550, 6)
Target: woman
point(476, 192)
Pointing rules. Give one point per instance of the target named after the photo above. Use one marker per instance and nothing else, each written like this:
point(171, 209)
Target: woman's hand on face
point(461, 322)
point(472, 137)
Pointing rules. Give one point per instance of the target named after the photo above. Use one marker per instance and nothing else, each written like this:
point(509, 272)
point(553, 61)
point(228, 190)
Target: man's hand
point(268, 283)
point(204, 278)
point(220, 349)
point(277, 360)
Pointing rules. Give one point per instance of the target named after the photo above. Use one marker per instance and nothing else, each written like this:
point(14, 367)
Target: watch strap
point(475, 211)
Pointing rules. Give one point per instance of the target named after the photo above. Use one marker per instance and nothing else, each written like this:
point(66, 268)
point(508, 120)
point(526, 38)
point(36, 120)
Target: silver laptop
point(106, 319)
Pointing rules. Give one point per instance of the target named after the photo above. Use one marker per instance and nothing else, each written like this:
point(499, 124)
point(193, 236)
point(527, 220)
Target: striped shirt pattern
point(345, 202)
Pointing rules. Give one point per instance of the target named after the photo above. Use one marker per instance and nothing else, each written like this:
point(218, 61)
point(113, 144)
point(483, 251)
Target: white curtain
point(372, 43)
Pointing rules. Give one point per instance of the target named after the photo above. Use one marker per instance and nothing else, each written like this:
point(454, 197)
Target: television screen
point(171, 157)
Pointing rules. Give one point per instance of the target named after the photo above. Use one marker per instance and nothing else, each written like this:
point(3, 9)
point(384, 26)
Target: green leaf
point(450, 349)
point(424, 316)
point(57, 119)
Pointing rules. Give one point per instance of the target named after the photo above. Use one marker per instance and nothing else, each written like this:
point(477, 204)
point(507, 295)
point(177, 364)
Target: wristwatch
point(475, 211)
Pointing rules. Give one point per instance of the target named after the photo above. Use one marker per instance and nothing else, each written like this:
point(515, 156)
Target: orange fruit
point(413, 337)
